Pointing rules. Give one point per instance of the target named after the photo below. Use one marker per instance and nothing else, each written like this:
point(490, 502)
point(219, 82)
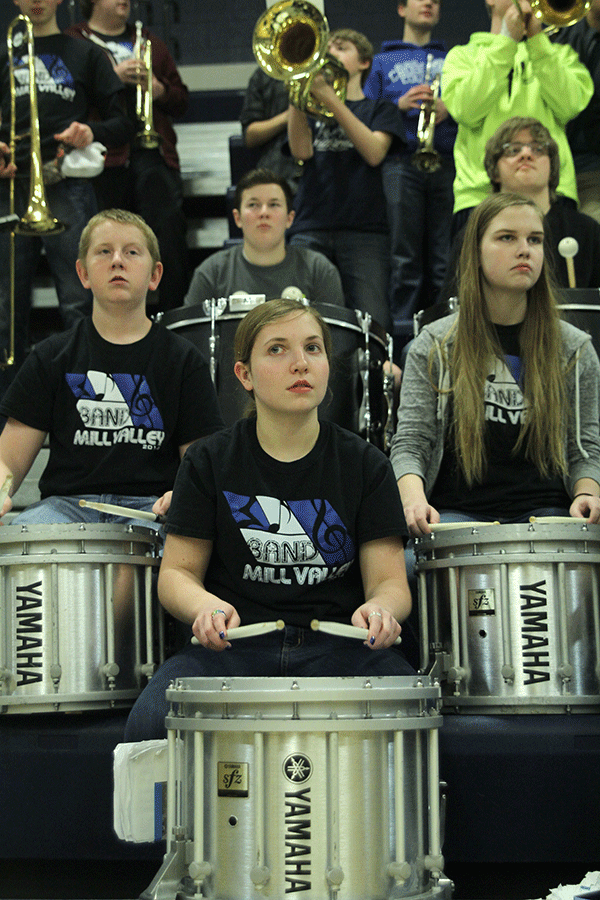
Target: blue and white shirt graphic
point(306, 536)
point(117, 408)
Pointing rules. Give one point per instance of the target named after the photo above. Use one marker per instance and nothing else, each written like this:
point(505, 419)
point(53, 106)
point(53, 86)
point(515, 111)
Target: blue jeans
point(363, 259)
point(66, 510)
point(73, 202)
point(419, 209)
point(293, 652)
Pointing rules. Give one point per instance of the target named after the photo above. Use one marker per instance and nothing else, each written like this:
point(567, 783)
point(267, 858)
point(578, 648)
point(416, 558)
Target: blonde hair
point(265, 314)
point(476, 342)
point(123, 217)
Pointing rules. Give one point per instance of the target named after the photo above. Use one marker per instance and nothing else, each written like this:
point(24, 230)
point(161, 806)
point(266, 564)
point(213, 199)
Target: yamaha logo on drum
point(28, 607)
point(297, 768)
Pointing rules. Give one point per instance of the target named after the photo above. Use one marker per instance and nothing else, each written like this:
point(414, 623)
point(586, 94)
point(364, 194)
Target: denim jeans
point(293, 651)
point(66, 510)
point(73, 202)
point(363, 259)
point(419, 208)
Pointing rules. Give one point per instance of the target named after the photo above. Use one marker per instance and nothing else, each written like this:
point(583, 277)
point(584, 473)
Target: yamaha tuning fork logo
point(297, 768)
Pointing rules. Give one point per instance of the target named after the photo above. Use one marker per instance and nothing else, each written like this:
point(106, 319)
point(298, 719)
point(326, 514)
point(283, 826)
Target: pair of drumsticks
point(337, 628)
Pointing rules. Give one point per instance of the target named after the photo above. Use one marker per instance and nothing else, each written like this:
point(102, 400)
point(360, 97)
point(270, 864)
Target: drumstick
point(125, 511)
point(447, 526)
point(246, 631)
point(552, 520)
point(4, 491)
point(341, 630)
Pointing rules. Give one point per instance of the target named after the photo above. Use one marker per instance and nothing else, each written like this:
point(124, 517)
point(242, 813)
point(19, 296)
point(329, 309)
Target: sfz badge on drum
point(232, 779)
point(482, 602)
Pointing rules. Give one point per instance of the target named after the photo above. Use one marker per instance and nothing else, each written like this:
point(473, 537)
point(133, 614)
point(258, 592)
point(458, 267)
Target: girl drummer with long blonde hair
point(499, 413)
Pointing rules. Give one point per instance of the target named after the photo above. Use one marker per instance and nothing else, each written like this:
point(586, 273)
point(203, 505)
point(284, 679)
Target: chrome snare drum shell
point(510, 616)
point(77, 623)
point(306, 787)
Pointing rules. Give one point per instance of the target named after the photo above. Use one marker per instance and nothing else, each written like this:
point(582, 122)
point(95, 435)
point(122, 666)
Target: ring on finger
point(369, 617)
point(216, 612)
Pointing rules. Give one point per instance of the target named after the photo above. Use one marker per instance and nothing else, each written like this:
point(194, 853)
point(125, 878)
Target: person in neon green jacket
point(511, 70)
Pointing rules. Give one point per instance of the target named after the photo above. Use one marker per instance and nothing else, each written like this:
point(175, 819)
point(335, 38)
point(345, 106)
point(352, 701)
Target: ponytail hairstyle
point(476, 343)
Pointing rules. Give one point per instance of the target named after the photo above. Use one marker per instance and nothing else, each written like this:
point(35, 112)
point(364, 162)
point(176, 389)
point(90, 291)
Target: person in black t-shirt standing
point(143, 178)
point(340, 205)
point(72, 78)
point(120, 397)
point(281, 516)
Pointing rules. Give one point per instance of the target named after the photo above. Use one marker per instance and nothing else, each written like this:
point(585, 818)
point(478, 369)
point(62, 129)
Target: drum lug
point(508, 673)
point(8, 679)
point(200, 871)
point(565, 673)
point(335, 876)
point(56, 674)
point(147, 669)
point(400, 872)
point(435, 864)
point(260, 876)
point(456, 674)
point(110, 671)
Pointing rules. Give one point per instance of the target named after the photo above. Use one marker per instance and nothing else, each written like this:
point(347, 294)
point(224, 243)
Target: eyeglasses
point(514, 148)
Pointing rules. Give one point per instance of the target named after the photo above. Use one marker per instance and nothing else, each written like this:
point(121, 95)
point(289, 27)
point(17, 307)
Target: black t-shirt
point(339, 190)
point(512, 486)
point(116, 414)
point(72, 78)
point(286, 536)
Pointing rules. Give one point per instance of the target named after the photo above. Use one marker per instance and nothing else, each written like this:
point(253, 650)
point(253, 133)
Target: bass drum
point(356, 399)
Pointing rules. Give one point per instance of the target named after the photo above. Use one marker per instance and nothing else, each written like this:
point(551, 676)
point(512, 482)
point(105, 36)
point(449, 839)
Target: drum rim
point(189, 315)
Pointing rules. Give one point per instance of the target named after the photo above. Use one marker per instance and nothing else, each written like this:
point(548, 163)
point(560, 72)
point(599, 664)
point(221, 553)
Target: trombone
point(37, 219)
point(147, 137)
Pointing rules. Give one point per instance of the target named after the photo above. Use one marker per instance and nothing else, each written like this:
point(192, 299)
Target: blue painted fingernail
point(372, 640)
point(222, 635)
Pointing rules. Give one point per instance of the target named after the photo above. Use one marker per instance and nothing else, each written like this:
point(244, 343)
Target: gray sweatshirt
point(423, 417)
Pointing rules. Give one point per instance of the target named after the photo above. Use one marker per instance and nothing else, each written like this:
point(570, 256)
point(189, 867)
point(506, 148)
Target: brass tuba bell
point(290, 43)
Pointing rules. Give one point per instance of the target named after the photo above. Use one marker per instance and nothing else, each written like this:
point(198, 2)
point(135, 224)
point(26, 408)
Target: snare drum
point(308, 788)
point(509, 615)
point(77, 626)
point(359, 352)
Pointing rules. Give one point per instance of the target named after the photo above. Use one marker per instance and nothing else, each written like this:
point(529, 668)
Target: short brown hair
point(124, 217)
point(494, 148)
point(362, 44)
point(262, 176)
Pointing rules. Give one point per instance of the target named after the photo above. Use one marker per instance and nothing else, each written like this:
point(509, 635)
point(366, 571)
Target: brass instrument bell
point(290, 42)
